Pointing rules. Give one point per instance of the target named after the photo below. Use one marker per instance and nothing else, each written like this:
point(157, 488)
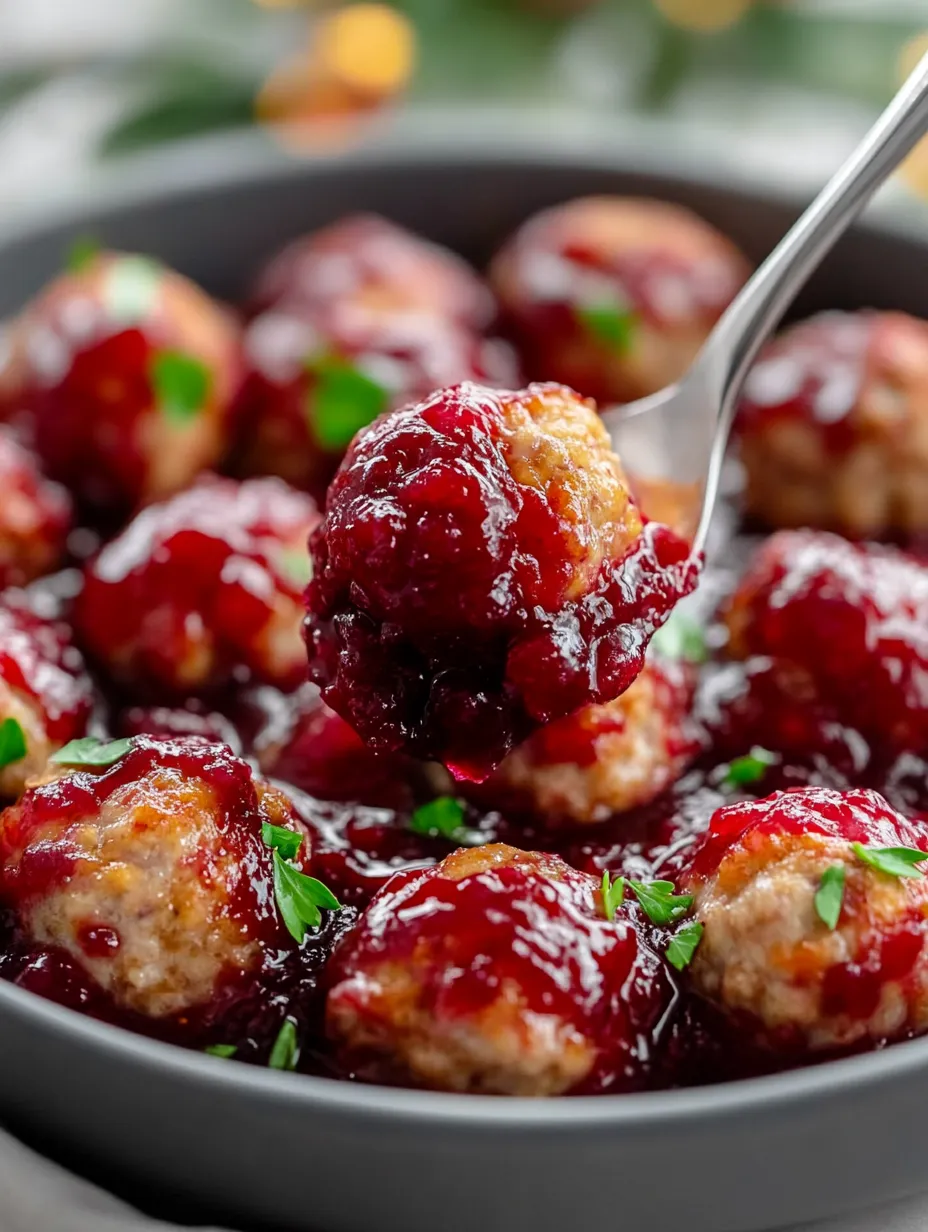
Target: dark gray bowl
point(298, 1153)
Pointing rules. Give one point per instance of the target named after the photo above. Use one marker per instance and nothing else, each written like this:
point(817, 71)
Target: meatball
point(149, 870)
point(497, 972)
point(314, 380)
point(481, 570)
point(833, 426)
point(368, 261)
point(46, 696)
point(845, 627)
point(603, 759)
point(202, 589)
point(35, 516)
point(123, 373)
point(801, 933)
point(615, 296)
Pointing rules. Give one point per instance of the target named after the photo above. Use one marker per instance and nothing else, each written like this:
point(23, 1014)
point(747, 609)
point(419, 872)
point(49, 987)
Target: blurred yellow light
point(369, 47)
point(703, 14)
point(914, 171)
point(910, 55)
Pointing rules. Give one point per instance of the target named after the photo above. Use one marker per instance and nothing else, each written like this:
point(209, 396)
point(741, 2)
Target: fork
point(675, 440)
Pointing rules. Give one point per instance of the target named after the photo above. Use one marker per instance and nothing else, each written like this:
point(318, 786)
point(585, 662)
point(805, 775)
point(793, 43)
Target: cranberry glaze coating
point(374, 264)
point(45, 693)
point(151, 873)
point(605, 759)
point(834, 426)
point(498, 972)
point(845, 625)
point(203, 588)
point(123, 372)
point(614, 295)
point(35, 516)
point(767, 953)
point(482, 570)
point(314, 379)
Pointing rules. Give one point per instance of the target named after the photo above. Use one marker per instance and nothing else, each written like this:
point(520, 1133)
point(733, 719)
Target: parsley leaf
point(749, 769)
point(609, 323)
point(299, 897)
point(12, 742)
point(830, 895)
point(613, 893)
point(444, 818)
point(131, 288)
point(287, 842)
point(681, 638)
point(221, 1050)
point(181, 384)
point(894, 861)
point(683, 945)
point(341, 401)
point(83, 252)
point(286, 1050)
point(89, 751)
point(658, 901)
point(296, 565)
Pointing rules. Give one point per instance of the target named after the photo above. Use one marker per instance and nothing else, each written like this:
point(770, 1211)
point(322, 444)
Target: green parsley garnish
point(181, 384)
point(894, 861)
point(221, 1050)
point(830, 895)
point(296, 565)
point(286, 1050)
point(681, 638)
point(341, 401)
point(683, 945)
point(444, 818)
point(609, 323)
point(12, 742)
point(749, 769)
point(287, 842)
point(658, 901)
point(131, 287)
point(89, 751)
point(613, 893)
point(83, 252)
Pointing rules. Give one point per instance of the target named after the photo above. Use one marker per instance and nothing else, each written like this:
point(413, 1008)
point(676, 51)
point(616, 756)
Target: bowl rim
point(650, 147)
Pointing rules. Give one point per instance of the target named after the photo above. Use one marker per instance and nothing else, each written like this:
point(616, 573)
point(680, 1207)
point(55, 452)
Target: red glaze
point(81, 377)
point(39, 661)
point(844, 624)
point(371, 262)
point(201, 589)
point(495, 918)
point(461, 595)
point(301, 405)
point(35, 516)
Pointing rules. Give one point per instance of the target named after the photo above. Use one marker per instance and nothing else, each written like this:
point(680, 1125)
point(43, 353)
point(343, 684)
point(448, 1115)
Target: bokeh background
point(790, 84)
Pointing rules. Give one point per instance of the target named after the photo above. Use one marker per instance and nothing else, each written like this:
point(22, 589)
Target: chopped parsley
point(751, 768)
point(444, 818)
point(181, 385)
point(830, 895)
point(221, 1050)
point(12, 742)
point(286, 1050)
point(296, 565)
point(300, 898)
point(287, 842)
point(609, 323)
point(683, 945)
point(131, 288)
point(681, 638)
point(83, 252)
point(893, 861)
point(341, 400)
point(613, 893)
point(658, 901)
point(89, 751)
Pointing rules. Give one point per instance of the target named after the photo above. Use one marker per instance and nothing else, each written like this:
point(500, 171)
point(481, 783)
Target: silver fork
point(679, 435)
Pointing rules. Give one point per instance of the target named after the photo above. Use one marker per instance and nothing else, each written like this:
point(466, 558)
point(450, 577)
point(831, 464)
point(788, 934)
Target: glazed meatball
point(150, 871)
point(481, 570)
point(812, 972)
point(605, 759)
point(46, 696)
point(314, 380)
point(615, 296)
point(497, 972)
point(202, 589)
point(372, 263)
point(833, 426)
point(35, 516)
point(845, 627)
point(123, 373)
